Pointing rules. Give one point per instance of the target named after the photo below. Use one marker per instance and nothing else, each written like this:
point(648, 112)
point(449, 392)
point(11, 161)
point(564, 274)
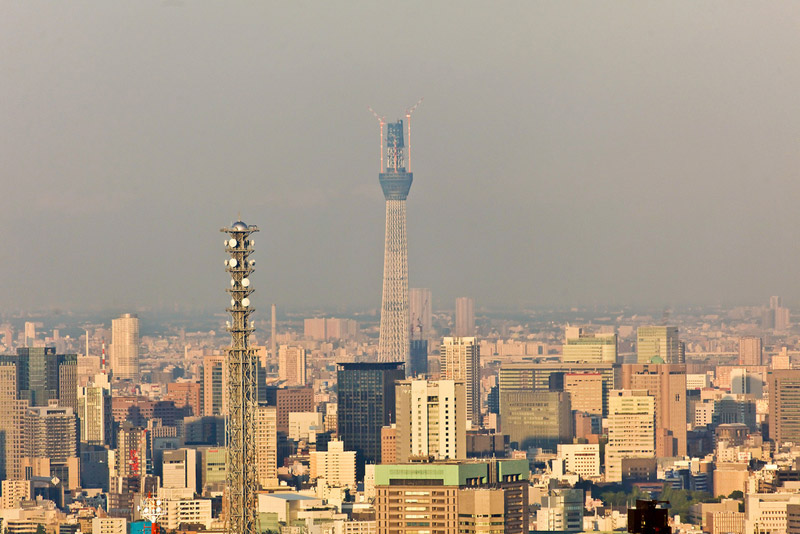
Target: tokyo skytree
point(395, 180)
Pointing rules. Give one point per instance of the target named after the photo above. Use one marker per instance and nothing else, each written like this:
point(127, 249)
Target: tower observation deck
point(395, 181)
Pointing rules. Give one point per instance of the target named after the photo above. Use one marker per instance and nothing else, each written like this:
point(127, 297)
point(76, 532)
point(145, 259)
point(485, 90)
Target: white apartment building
point(631, 432)
point(580, 458)
point(431, 420)
point(336, 465)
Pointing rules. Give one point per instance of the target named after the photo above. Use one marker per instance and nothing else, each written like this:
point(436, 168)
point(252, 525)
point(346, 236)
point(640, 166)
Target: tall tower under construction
point(242, 476)
point(395, 181)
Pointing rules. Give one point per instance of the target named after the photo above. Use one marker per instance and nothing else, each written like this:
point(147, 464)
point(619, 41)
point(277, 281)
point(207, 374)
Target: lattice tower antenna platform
point(242, 477)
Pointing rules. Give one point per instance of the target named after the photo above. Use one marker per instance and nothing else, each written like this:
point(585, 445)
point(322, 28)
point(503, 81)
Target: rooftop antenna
point(381, 122)
point(409, 111)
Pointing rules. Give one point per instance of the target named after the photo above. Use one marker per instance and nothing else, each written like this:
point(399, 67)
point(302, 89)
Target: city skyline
point(582, 173)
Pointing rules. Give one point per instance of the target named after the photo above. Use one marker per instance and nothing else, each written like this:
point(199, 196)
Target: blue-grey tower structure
point(393, 345)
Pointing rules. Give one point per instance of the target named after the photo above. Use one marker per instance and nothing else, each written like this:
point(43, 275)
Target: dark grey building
point(43, 375)
point(366, 400)
point(418, 357)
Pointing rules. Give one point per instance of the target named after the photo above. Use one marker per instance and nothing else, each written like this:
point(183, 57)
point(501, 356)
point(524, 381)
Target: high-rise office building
point(419, 309)
point(395, 181)
point(289, 400)
point(536, 418)
point(366, 398)
point(12, 416)
point(784, 403)
point(267, 446)
point(469, 497)
point(125, 347)
point(538, 376)
point(431, 420)
point(292, 365)
point(589, 347)
point(44, 376)
point(465, 317)
point(585, 392)
point(776, 317)
point(459, 359)
point(658, 344)
point(631, 432)
point(751, 351)
point(667, 385)
point(51, 434)
point(418, 357)
point(94, 411)
point(186, 395)
point(215, 385)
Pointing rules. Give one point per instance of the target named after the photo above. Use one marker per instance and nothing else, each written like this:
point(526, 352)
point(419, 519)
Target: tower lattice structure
point(242, 477)
point(393, 345)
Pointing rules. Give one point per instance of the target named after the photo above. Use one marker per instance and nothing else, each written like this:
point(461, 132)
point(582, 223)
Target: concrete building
point(125, 347)
point(215, 385)
point(580, 458)
point(536, 418)
point(588, 347)
point(459, 359)
point(767, 512)
point(329, 329)
point(465, 317)
point(287, 400)
point(109, 525)
point(538, 376)
point(631, 432)
point(185, 394)
point(561, 511)
point(94, 411)
point(213, 470)
point(304, 426)
point(751, 351)
point(667, 385)
point(658, 344)
point(431, 420)
point(292, 365)
point(267, 445)
point(446, 497)
point(51, 444)
point(336, 465)
point(784, 401)
point(180, 469)
point(585, 392)
point(14, 492)
point(11, 423)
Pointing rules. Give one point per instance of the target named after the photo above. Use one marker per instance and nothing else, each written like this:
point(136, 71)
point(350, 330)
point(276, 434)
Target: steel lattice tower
point(242, 395)
point(396, 183)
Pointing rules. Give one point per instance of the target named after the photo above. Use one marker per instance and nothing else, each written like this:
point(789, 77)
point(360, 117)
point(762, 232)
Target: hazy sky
point(566, 153)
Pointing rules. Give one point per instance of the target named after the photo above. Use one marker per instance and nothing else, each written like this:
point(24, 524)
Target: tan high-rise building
point(459, 359)
point(667, 385)
point(631, 432)
point(419, 310)
point(267, 446)
point(125, 347)
point(465, 317)
point(292, 365)
point(751, 351)
point(186, 394)
point(94, 411)
point(336, 465)
point(585, 392)
point(658, 344)
point(588, 347)
point(431, 420)
point(784, 400)
point(12, 416)
point(215, 385)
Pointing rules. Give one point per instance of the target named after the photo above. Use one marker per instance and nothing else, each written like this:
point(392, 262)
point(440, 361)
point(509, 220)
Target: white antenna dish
point(232, 243)
point(233, 262)
point(252, 263)
point(246, 282)
point(233, 303)
point(245, 302)
point(226, 263)
point(233, 282)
